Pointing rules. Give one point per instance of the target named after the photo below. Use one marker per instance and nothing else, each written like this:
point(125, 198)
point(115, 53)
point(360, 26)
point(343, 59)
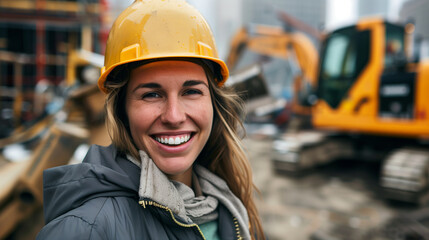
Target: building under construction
point(50, 58)
point(36, 39)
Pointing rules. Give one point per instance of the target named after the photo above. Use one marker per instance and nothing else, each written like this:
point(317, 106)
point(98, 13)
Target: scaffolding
point(36, 38)
point(46, 46)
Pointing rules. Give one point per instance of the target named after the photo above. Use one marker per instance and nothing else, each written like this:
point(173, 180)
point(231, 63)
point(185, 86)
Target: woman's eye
point(150, 95)
point(192, 92)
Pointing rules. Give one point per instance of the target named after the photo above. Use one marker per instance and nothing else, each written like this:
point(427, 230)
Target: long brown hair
point(223, 153)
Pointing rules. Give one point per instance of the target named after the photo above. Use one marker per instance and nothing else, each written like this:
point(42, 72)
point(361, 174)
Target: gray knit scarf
point(194, 206)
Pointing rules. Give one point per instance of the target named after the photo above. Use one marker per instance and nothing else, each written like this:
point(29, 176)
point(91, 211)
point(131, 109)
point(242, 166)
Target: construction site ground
point(340, 200)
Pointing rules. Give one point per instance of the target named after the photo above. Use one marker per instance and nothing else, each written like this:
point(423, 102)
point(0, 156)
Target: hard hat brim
point(224, 72)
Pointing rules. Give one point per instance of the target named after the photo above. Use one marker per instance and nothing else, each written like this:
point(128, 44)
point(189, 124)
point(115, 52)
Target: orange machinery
point(264, 45)
point(372, 104)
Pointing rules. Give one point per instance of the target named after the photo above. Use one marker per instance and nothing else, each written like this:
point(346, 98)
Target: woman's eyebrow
point(191, 83)
point(147, 85)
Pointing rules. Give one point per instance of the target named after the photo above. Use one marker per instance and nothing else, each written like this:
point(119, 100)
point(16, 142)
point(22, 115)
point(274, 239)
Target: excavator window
point(344, 55)
point(395, 53)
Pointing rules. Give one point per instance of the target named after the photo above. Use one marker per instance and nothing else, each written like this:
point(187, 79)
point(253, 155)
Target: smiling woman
point(167, 101)
point(176, 168)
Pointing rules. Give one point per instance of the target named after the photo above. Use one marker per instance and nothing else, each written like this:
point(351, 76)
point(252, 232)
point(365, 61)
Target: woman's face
point(170, 114)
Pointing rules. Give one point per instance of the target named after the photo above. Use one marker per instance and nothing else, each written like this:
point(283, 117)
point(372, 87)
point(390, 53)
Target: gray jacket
point(98, 199)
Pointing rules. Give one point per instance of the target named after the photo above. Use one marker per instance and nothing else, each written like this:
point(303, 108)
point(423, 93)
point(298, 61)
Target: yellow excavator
point(372, 104)
point(272, 67)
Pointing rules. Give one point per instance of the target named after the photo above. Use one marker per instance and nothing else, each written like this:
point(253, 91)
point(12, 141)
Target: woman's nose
point(174, 113)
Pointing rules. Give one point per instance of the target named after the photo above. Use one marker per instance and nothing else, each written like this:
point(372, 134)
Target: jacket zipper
point(237, 228)
point(145, 203)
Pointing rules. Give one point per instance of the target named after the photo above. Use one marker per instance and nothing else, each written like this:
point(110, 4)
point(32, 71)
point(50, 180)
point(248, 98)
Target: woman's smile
point(173, 140)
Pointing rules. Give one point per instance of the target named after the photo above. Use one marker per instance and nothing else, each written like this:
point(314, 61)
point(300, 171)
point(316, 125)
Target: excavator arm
point(274, 42)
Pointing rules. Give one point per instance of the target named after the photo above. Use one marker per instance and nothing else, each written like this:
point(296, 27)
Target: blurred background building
point(370, 8)
point(265, 12)
point(417, 11)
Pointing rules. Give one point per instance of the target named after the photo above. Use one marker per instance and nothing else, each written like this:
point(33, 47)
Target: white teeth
point(174, 140)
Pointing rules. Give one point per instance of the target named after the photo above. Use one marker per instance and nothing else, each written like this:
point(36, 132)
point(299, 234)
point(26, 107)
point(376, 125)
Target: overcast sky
point(345, 12)
point(340, 13)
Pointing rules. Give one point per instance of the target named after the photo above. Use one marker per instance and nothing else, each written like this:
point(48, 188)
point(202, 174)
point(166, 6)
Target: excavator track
point(296, 152)
point(405, 175)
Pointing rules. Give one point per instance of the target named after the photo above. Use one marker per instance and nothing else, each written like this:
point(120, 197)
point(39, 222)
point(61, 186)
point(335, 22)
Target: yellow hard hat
point(156, 29)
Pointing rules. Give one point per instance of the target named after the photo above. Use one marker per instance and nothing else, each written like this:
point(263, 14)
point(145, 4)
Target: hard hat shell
point(157, 29)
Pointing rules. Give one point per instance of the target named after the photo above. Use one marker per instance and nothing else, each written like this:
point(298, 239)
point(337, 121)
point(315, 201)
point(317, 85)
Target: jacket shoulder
point(80, 223)
point(103, 218)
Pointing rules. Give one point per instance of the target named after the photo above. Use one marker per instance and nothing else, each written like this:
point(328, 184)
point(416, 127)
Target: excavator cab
point(347, 53)
point(341, 64)
point(366, 84)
